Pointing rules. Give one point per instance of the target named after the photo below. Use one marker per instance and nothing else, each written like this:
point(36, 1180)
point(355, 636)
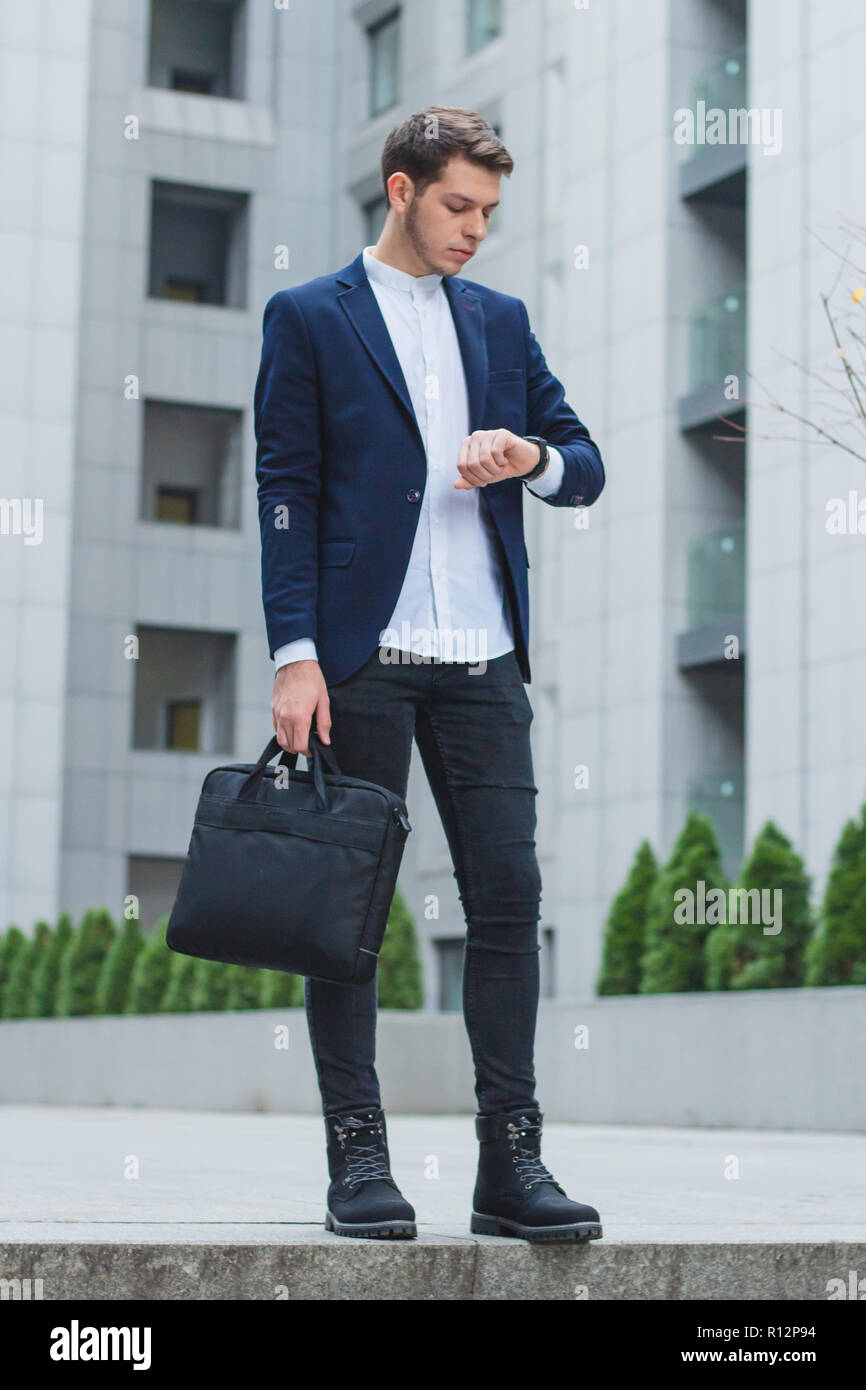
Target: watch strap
point(541, 466)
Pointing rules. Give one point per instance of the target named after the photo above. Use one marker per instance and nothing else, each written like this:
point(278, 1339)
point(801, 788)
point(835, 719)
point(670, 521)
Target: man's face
point(448, 222)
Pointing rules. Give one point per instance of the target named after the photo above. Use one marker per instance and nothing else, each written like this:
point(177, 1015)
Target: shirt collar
point(399, 279)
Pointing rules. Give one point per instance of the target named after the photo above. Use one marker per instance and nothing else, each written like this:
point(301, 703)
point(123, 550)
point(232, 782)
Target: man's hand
point(488, 456)
point(299, 693)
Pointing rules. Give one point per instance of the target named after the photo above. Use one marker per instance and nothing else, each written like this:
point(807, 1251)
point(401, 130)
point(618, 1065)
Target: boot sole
point(579, 1232)
point(372, 1230)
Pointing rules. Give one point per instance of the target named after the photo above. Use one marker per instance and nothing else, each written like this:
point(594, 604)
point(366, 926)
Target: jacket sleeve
point(288, 473)
point(551, 417)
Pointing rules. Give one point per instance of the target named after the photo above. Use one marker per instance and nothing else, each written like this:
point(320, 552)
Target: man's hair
point(422, 145)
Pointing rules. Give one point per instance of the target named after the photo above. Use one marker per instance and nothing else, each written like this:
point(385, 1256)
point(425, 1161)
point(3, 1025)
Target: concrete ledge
point(777, 1059)
point(715, 174)
point(191, 1205)
point(305, 1262)
point(703, 647)
point(701, 409)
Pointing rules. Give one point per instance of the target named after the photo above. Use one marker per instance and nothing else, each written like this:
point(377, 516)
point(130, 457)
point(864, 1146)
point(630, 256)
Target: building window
point(383, 39)
point(547, 963)
point(191, 464)
point(449, 954)
point(198, 245)
point(154, 881)
point(483, 23)
point(375, 213)
point(198, 46)
point(184, 696)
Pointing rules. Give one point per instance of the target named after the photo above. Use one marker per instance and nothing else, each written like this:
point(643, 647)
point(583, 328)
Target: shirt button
point(413, 495)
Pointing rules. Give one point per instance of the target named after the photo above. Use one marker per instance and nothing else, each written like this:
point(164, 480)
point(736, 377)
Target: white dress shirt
point(453, 604)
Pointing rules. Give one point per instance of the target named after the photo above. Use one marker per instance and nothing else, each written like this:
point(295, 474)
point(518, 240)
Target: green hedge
point(47, 972)
point(673, 957)
point(837, 955)
point(649, 948)
point(14, 945)
point(81, 964)
point(17, 1001)
point(766, 953)
point(98, 968)
point(625, 929)
point(399, 970)
point(113, 985)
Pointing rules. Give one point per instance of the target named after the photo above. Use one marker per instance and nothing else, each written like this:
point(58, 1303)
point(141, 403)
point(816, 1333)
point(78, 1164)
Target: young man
point(400, 414)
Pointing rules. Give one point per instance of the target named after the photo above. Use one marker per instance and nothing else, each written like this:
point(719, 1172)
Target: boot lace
point(364, 1162)
point(527, 1157)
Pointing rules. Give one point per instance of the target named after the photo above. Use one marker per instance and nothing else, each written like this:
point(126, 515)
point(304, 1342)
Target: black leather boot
point(515, 1195)
point(363, 1198)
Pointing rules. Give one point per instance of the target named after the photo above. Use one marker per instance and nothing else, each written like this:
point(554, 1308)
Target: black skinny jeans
point(471, 726)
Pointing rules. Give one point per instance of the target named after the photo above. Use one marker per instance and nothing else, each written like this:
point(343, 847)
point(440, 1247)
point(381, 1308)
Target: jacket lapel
point(359, 304)
point(468, 314)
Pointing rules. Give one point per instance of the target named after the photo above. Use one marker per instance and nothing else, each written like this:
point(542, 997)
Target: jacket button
point(413, 495)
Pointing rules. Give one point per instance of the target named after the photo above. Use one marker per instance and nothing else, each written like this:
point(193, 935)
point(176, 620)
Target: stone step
point(105, 1261)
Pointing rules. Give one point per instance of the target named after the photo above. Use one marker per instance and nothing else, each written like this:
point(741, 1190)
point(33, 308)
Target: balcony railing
point(721, 797)
point(717, 340)
point(716, 577)
point(723, 84)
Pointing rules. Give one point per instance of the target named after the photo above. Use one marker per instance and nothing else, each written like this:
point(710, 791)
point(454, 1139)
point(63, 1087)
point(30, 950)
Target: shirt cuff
point(302, 649)
point(551, 479)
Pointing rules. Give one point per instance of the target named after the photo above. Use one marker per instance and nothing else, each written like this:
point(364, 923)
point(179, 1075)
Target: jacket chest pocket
point(505, 400)
point(506, 374)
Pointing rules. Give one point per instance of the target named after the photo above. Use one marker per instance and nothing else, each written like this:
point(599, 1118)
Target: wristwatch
point(541, 466)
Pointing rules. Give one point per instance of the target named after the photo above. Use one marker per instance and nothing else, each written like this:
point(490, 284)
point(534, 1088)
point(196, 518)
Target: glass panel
point(716, 583)
point(722, 85)
point(484, 22)
point(375, 213)
point(384, 57)
point(450, 954)
point(718, 339)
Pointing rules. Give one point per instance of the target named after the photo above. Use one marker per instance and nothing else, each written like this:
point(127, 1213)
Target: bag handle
point(322, 755)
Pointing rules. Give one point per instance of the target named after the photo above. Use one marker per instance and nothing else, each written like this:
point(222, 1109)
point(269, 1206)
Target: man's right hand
point(299, 693)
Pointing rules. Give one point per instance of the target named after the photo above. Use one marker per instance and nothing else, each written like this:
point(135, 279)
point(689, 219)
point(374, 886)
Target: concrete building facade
point(172, 163)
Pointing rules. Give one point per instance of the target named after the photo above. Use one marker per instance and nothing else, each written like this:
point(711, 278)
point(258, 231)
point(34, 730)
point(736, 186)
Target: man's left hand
point(488, 456)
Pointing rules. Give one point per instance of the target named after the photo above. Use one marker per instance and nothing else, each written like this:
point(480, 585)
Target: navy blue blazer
point(340, 460)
